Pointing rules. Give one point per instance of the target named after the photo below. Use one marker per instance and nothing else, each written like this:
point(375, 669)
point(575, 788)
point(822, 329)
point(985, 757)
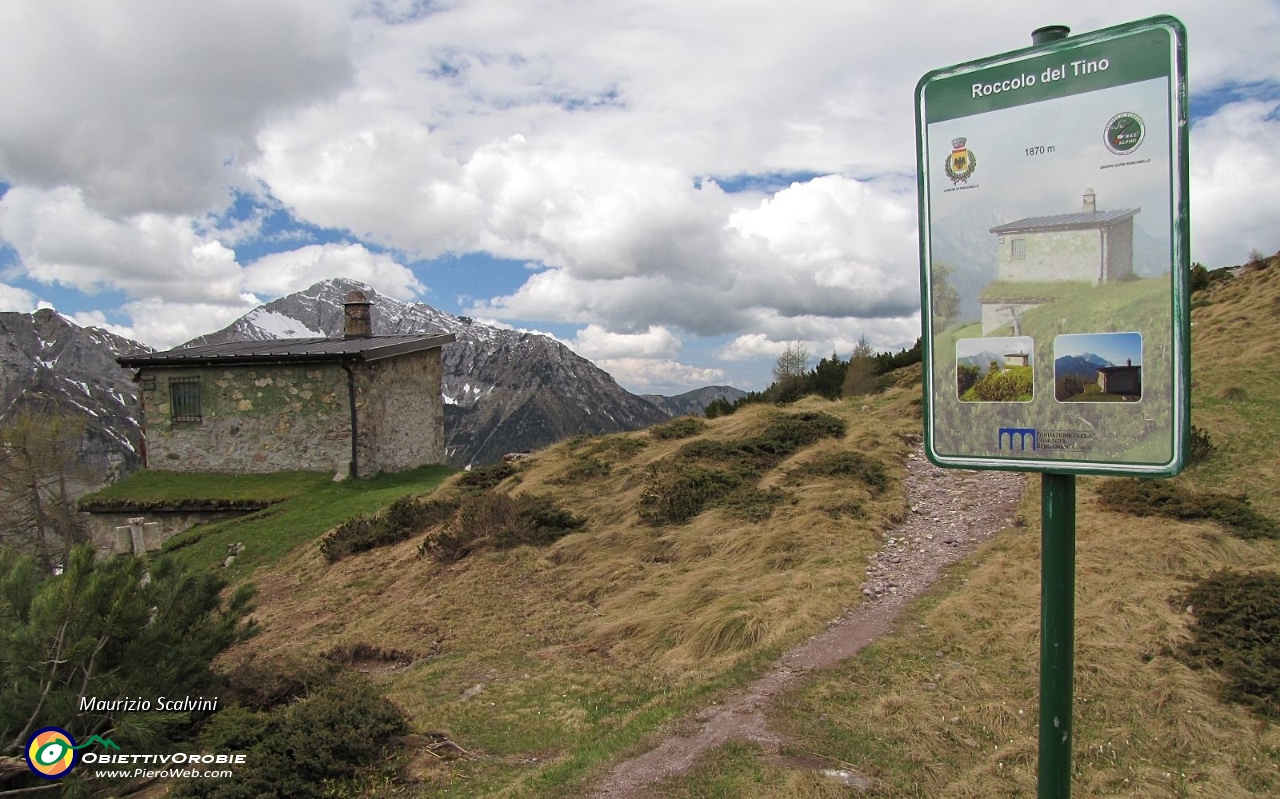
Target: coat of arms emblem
point(961, 162)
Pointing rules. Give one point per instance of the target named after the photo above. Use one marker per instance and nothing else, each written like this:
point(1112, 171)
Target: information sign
point(1054, 261)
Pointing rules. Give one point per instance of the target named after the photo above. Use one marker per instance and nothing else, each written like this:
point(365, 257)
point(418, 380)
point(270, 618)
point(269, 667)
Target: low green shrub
point(482, 478)
point(850, 508)
point(405, 518)
point(678, 492)
point(1168, 498)
point(848, 465)
point(783, 436)
point(618, 447)
point(797, 430)
point(707, 473)
point(683, 427)
point(754, 505)
point(498, 521)
point(1237, 633)
point(302, 748)
point(582, 470)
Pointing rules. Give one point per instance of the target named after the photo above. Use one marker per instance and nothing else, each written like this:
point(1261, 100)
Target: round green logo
point(1124, 133)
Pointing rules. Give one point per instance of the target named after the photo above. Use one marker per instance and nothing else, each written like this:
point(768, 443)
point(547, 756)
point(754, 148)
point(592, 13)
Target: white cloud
point(62, 240)
point(153, 106)
point(658, 375)
point(1235, 182)
point(596, 343)
point(285, 272)
point(820, 336)
point(832, 247)
point(753, 345)
point(99, 319)
point(181, 283)
point(13, 298)
point(163, 324)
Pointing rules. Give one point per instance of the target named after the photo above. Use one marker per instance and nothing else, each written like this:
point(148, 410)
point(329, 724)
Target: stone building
point(1125, 379)
point(1091, 246)
point(357, 406)
point(1017, 359)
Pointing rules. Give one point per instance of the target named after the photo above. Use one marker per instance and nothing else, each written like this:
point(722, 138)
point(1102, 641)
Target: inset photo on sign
point(996, 369)
point(1097, 367)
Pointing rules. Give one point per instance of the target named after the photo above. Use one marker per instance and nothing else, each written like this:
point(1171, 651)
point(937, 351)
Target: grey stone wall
point(1120, 251)
point(255, 419)
point(1089, 255)
point(401, 413)
point(1051, 255)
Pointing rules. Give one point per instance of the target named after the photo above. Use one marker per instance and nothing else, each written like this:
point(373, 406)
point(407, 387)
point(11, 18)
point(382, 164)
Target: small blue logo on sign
point(1019, 434)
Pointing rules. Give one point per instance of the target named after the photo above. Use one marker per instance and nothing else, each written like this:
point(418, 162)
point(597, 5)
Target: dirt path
point(952, 511)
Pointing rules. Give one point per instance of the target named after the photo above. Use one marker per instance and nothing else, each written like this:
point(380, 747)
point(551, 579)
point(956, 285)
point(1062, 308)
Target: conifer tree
point(861, 377)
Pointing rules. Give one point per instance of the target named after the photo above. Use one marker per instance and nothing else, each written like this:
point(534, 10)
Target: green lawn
point(312, 507)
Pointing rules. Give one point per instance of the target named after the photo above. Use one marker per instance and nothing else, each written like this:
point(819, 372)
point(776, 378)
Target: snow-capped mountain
point(504, 391)
point(49, 363)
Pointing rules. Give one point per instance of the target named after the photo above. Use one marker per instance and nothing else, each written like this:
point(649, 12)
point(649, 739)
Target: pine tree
point(108, 629)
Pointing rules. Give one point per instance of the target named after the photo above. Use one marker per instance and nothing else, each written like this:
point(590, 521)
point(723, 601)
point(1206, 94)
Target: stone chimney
point(1090, 202)
point(356, 316)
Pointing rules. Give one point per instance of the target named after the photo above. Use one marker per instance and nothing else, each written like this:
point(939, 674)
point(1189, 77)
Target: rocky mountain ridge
point(696, 401)
point(49, 363)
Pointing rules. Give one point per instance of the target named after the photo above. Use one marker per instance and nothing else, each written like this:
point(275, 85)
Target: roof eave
point(373, 353)
point(406, 347)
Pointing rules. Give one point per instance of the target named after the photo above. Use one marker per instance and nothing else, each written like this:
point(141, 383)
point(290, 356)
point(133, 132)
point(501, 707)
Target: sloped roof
point(291, 350)
point(1067, 221)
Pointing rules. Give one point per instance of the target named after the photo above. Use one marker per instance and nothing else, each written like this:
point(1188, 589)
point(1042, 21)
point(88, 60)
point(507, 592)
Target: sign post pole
point(1057, 631)
point(1057, 604)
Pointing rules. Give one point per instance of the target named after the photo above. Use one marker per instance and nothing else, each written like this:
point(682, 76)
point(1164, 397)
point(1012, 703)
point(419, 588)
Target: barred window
point(1019, 249)
point(184, 399)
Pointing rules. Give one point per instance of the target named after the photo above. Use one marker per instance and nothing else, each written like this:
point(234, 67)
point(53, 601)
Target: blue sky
point(675, 190)
point(1116, 348)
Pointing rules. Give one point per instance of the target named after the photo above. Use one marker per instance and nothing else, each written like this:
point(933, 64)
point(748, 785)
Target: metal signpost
point(1054, 264)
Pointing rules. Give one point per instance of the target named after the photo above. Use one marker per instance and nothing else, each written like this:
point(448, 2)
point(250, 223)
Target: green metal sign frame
point(1054, 255)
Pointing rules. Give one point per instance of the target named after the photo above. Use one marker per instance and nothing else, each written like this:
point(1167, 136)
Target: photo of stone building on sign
point(1097, 367)
point(1089, 246)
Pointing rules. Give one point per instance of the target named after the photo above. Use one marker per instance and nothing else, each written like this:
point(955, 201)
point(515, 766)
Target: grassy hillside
point(947, 706)
point(545, 663)
point(709, 547)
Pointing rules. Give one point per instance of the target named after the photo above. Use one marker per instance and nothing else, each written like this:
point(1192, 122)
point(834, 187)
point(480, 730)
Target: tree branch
point(35, 714)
